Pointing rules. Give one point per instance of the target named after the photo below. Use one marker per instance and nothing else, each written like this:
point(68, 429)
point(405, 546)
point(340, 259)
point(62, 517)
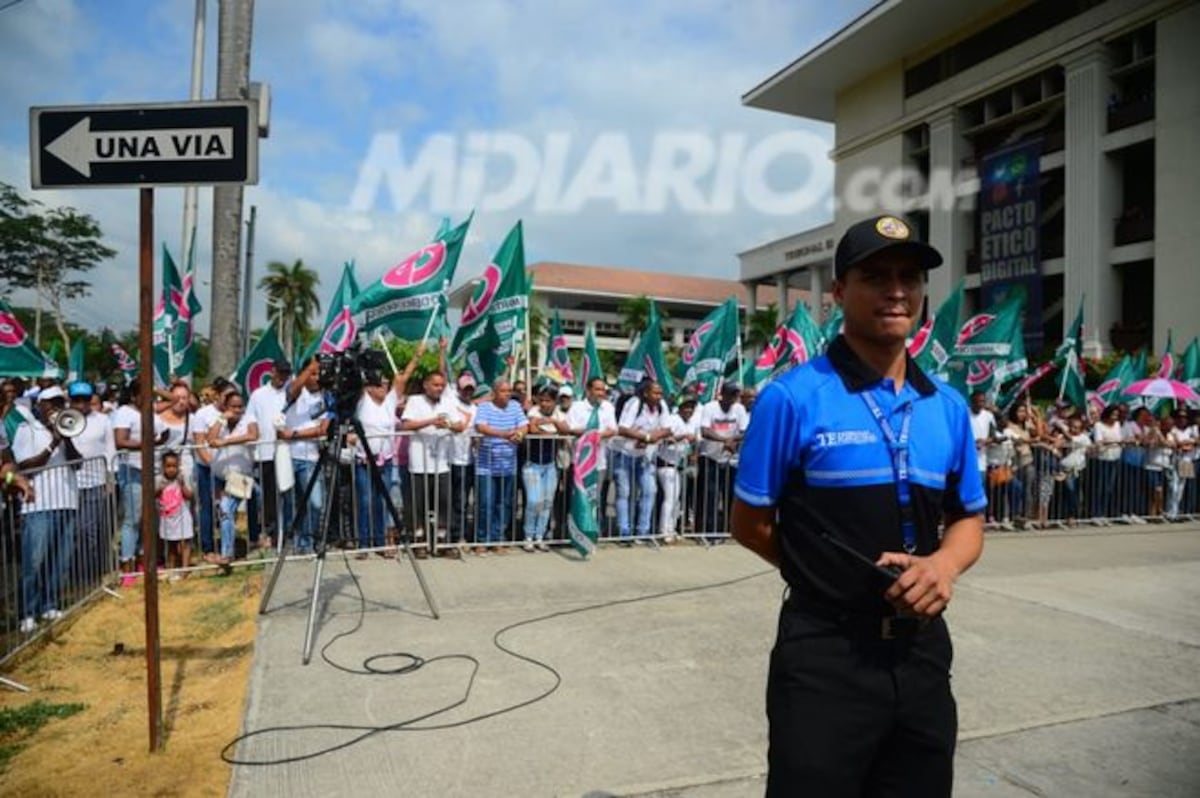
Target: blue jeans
point(47, 542)
point(370, 505)
point(303, 469)
point(541, 480)
point(129, 482)
point(495, 506)
point(227, 511)
point(628, 471)
point(204, 505)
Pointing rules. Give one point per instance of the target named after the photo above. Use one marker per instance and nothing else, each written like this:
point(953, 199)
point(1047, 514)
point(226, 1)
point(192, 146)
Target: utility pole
point(190, 193)
point(234, 24)
point(248, 287)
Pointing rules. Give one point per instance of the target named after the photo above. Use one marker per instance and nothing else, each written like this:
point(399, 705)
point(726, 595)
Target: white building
point(922, 92)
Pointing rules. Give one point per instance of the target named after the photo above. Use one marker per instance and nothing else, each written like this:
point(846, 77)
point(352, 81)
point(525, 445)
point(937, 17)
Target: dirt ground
point(97, 659)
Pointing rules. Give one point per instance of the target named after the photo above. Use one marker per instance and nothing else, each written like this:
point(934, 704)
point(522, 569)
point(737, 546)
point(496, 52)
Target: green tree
point(45, 252)
point(292, 298)
point(760, 326)
point(635, 313)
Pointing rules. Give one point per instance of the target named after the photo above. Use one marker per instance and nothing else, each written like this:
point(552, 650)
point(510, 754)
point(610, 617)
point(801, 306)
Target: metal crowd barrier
point(56, 552)
point(1097, 485)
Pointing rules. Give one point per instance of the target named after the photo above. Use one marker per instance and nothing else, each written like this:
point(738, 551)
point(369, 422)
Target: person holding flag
point(853, 461)
point(579, 419)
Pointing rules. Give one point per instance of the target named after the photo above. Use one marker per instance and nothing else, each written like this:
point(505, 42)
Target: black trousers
point(856, 715)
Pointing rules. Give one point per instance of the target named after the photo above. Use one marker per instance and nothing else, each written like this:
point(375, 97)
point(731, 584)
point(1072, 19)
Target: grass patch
point(23, 721)
point(217, 618)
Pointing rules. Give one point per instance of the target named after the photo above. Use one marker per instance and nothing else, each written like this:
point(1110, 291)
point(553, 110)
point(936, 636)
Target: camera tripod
point(327, 464)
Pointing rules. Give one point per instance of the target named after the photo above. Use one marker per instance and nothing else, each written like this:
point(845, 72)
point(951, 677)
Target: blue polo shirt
point(815, 452)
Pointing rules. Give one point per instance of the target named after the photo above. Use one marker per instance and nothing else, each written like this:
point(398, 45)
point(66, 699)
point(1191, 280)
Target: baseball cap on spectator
point(731, 389)
point(80, 390)
point(465, 380)
point(566, 390)
point(876, 234)
point(53, 392)
point(282, 365)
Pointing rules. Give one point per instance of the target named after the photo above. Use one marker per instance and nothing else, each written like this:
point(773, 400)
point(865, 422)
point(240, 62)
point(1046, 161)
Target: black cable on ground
point(411, 663)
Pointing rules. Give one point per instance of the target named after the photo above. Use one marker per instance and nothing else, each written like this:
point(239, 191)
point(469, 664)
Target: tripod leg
point(312, 607)
point(377, 481)
point(298, 518)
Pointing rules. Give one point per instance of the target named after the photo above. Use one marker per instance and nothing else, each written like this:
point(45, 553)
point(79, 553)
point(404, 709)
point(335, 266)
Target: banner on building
point(1009, 231)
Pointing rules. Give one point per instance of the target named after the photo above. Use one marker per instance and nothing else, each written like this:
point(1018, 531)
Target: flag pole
point(528, 359)
point(383, 343)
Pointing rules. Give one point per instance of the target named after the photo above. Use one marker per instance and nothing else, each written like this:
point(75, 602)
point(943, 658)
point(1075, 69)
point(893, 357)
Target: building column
point(949, 222)
point(751, 298)
point(816, 293)
point(1176, 176)
point(781, 288)
point(1092, 185)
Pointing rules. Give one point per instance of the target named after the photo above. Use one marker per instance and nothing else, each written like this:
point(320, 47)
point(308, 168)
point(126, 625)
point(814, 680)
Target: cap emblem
point(891, 227)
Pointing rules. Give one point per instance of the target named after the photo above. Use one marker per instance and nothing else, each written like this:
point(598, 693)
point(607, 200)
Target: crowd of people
point(1121, 465)
point(468, 471)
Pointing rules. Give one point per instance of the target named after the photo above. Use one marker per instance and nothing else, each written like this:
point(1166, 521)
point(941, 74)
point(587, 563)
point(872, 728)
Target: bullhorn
point(69, 423)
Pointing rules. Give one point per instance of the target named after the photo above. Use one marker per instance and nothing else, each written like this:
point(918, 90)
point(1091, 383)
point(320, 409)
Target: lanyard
point(898, 450)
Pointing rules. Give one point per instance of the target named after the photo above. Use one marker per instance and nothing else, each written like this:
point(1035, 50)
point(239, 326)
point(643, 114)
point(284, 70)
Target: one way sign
point(164, 144)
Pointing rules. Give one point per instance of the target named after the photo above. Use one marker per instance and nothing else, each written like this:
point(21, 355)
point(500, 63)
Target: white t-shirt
point(264, 408)
point(725, 423)
point(99, 452)
point(637, 415)
point(674, 451)
point(238, 456)
point(983, 426)
point(1108, 437)
point(54, 484)
point(1181, 436)
point(379, 423)
point(581, 413)
point(130, 417)
point(460, 442)
point(178, 436)
point(202, 421)
point(1076, 457)
point(305, 414)
point(429, 447)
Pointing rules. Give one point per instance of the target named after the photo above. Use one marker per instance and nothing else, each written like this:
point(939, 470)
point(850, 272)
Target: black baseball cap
point(871, 236)
point(282, 365)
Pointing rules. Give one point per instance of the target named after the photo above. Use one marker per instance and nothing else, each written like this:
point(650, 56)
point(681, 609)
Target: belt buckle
point(886, 631)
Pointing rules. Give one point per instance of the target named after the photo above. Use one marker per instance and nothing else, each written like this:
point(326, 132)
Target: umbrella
point(1162, 388)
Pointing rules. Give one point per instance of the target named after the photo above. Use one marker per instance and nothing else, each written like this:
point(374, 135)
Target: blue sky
point(344, 74)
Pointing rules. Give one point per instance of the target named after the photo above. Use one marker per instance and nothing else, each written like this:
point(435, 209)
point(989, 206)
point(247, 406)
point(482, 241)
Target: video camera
point(344, 374)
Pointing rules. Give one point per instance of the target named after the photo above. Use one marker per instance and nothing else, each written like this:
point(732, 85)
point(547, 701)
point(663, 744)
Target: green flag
point(174, 352)
point(55, 352)
point(990, 348)
point(1189, 368)
point(590, 365)
point(583, 523)
point(484, 357)
point(933, 344)
point(1069, 356)
point(709, 351)
point(502, 294)
point(405, 298)
point(338, 331)
point(646, 358)
point(255, 370)
point(1113, 383)
point(798, 340)
point(75, 361)
point(19, 357)
point(558, 365)
point(832, 327)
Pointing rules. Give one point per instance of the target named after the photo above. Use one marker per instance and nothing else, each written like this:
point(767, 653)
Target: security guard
point(850, 464)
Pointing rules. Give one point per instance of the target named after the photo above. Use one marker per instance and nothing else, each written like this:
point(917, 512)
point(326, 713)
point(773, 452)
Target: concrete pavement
point(1077, 673)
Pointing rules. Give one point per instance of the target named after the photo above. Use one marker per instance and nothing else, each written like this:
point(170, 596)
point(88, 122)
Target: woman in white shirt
point(1183, 438)
point(232, 464)
point(1106, 435)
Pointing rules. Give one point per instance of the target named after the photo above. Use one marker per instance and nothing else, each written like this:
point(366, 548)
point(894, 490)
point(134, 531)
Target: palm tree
point(635, 313)
point(291, 299)
point(761, 325)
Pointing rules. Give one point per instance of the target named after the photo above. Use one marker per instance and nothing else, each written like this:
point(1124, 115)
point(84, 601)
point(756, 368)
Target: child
point(174, 512)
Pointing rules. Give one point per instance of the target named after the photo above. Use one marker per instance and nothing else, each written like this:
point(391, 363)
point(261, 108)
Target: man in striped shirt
point(502, 424)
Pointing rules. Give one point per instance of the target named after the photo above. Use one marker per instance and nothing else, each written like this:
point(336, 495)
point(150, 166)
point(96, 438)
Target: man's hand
point(924, 587)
